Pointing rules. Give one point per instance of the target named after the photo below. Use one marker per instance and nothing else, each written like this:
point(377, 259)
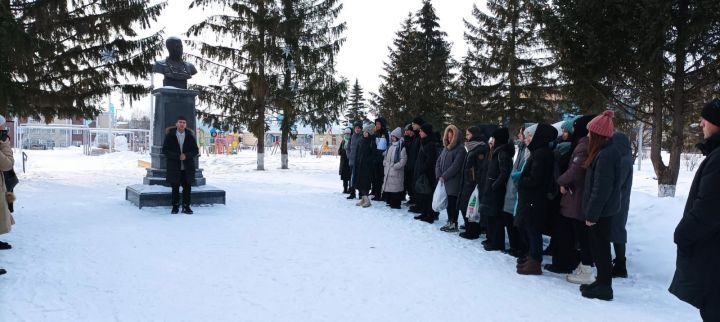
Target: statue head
point(175, 48)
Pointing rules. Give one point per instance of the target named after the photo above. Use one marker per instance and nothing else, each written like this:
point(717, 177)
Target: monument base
point(158, 196)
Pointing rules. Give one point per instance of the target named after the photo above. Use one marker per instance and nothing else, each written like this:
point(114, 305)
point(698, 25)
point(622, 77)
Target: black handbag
point(11, 179)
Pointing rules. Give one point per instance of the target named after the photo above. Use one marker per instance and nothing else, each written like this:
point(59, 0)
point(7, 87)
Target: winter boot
point(414, 209)
point(352, 194)
point(531, 267)
point(619, 268)
point(557, 270)
point(585, 287)
point(583, 274)
point(600, 292)
point(428, 218)
point(361, 202)
point(175, 209)
point(450, 227)
point(2, 271)
point(366, 202)
point(186, 210)
point(4, 245)
point(472, 231)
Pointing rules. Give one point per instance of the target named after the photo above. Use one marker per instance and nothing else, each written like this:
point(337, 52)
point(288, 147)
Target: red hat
point(602, 124)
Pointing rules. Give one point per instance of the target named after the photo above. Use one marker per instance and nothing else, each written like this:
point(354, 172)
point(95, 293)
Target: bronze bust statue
point(176, 71)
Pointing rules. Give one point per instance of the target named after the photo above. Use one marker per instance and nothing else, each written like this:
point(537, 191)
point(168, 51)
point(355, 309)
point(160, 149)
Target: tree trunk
point(285, 129)
point(668, 182)
point(657, 132)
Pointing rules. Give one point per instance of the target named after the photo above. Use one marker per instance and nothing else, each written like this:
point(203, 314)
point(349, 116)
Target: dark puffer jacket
point(698, 234)
point(499, 167)
point(602, 195)
point(426, 160)
point(536, 179)
point(364, 163)
point(574, 182)
point(618, 233)
point(345, 171)
point(473, 173)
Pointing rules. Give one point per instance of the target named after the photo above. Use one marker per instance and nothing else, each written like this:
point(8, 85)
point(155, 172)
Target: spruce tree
point(508, 56)
point(310, 92)
point(418, 78)
point(60, 58)
point(655, 61)
point(435, 81)
point(356, 105)
point(245, 64)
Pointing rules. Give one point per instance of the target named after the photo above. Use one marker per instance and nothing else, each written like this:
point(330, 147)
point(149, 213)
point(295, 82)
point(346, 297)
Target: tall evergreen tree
point(467, 108)
point(246, 65)
point(418, 78)
point(663, 62)
point(310, 92)
point(356, 109)
point(507, 54)
point(397, 98)
point(436, 80)
point(60, 58)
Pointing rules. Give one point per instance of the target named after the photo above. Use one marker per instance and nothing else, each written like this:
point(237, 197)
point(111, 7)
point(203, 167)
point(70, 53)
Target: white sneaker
point(582, 275)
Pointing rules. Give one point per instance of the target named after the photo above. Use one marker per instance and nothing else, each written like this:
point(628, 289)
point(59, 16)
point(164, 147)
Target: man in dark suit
point(180, 149)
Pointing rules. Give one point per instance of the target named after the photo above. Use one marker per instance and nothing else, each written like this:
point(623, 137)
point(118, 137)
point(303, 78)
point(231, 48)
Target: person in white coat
point(394, 166)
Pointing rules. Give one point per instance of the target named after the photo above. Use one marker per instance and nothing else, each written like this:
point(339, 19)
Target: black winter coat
point(698, 234)
point(498, 173)
point(618, 233)
point(171, 150)
point(364, 163)
point(473, 173)
point(536, 179)
point(602, 196)
point(345, 171)
point(426, 160)
point(412, 147)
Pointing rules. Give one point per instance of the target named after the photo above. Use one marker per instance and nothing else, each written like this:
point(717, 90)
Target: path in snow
point(287, 247)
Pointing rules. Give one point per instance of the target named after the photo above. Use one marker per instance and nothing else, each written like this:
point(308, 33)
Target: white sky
point(371, 28)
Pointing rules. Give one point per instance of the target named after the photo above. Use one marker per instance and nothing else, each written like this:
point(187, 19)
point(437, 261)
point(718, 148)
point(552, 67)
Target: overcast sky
point(371, 28)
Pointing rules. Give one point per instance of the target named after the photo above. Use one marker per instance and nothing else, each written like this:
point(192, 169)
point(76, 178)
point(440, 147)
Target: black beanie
point(427, 128)
point(711, 112)
point(501, 135)
point(419, 121)
point(580, 126)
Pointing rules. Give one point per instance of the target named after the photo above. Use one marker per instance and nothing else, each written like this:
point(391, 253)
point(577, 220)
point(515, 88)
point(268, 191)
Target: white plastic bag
point(440, 199)
point(473, 213)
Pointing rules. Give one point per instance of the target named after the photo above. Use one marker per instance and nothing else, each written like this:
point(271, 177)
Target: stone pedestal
point(169, 104)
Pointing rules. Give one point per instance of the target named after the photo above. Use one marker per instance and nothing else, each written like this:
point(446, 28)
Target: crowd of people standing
point(572, 185)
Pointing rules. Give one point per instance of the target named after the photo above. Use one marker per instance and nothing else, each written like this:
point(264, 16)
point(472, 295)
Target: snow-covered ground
point(288, 247)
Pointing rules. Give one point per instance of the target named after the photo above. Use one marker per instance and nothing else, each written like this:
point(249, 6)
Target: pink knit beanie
point(602, 124)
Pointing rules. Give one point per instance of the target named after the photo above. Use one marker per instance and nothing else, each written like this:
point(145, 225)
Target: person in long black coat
point(382, 141)
point(412, 145)
point(424, 176)
point(535, 182)
point(618, 232)
point(601, 201)
point(473, 176)
point(493, 198)
point(365, 165)
point(697, 235)
point(180, 162)
point(345, 171)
